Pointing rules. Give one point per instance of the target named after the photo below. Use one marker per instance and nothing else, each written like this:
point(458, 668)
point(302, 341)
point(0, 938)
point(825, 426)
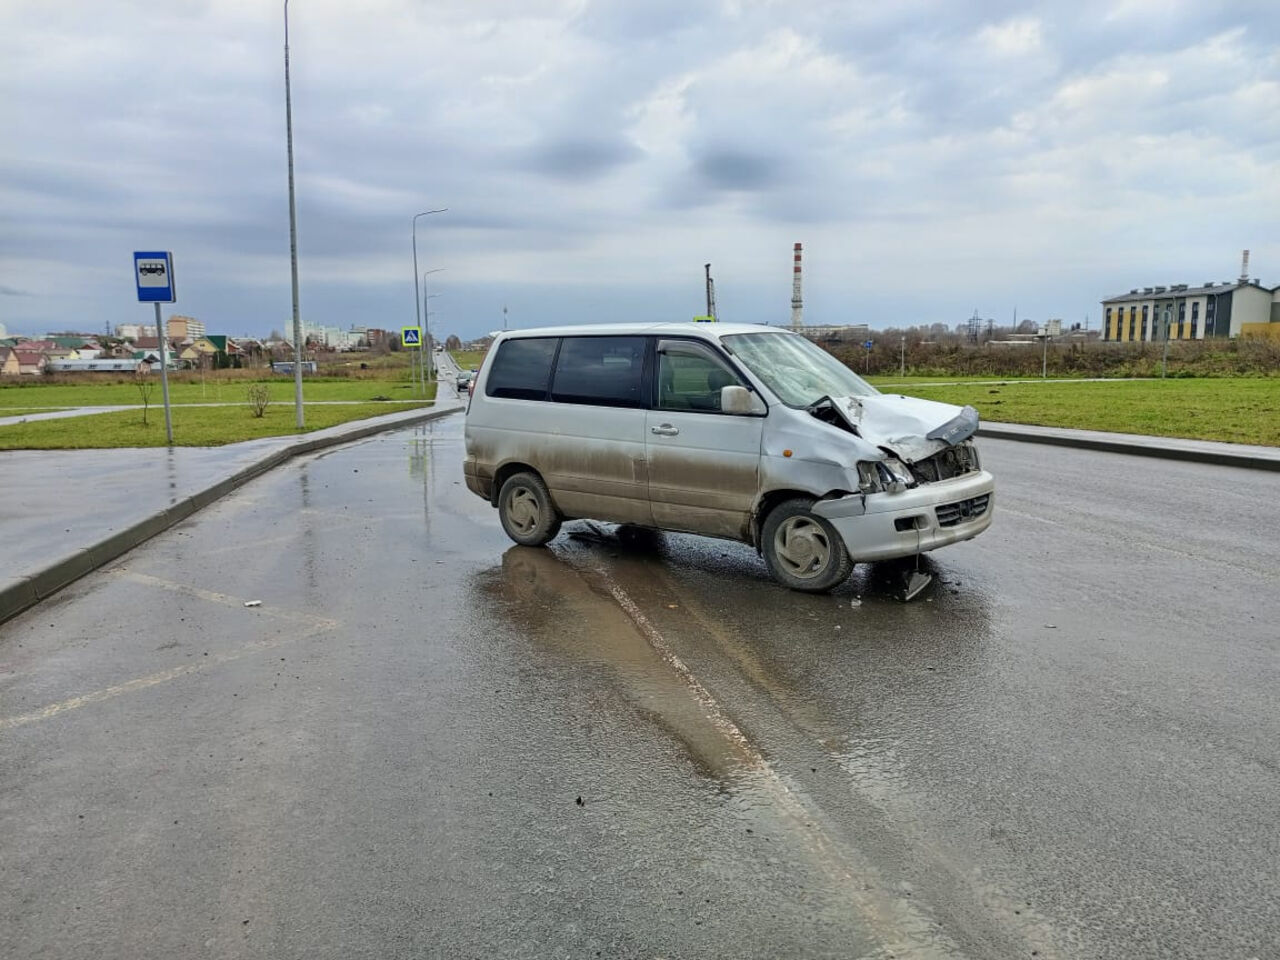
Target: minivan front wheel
point(802, 550)
point(526, 510)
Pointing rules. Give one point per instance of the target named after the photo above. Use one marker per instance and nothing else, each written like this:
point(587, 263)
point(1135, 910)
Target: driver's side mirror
point(740, 401)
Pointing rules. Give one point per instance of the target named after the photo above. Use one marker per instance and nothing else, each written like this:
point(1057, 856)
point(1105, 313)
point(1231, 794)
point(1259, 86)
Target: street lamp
point(1164, 358)
point(293, 231)
point(428, 359)
point(417, 303)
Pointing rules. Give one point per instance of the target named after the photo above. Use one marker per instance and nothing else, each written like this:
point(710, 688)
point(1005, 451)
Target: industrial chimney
point(1244, 267)
point(797, 302)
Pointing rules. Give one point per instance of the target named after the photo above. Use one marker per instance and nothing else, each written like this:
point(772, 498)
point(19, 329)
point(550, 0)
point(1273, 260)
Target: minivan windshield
point(798, 371)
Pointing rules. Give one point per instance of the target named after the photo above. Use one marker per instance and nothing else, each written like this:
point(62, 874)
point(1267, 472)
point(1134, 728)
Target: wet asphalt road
point(427, 742)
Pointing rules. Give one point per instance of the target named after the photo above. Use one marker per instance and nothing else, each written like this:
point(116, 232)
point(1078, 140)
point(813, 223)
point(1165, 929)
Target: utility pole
point(417, 304)
point(1164, 359)
point(293, 233)
point(711, 293)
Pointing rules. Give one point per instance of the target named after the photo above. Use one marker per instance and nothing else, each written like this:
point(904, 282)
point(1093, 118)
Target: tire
point(802, 550)
point(526, 510)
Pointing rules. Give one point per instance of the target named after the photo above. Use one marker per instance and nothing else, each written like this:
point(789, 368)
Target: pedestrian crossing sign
point(411, 336)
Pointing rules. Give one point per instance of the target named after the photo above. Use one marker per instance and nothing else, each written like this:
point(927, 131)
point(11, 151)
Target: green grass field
point(467, 359)
point(30, 395)
point(1243, 410)
point(192, 426)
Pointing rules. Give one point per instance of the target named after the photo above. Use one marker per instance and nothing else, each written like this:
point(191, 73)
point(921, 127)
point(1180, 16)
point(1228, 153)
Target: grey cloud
point(730, 169)
point(637, 23)
point(579, 159)
point(8, 291)
point(544, 131)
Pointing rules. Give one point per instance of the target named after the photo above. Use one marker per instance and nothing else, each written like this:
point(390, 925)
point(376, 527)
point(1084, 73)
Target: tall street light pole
point(1164, 357)
point(428, 359)
point(426, 318)
point(417, 293)
point(293, 232)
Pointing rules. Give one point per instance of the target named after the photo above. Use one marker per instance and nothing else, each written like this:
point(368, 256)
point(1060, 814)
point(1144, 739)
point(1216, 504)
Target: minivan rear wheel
point(526, 510)
point(802, 550)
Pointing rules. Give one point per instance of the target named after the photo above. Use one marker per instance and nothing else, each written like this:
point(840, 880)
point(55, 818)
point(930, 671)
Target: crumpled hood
point(913, 429)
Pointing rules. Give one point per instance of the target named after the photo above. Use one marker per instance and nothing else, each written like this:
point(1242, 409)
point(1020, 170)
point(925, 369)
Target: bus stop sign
point(153, 272)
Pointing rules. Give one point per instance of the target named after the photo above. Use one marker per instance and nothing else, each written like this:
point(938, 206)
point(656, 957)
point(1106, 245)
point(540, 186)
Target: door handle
point(664, 430)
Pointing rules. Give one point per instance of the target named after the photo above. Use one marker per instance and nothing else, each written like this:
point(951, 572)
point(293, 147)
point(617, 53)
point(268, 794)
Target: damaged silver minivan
point(745, 432)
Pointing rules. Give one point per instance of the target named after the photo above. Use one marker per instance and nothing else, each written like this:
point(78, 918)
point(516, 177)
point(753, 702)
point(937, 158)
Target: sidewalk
point(1166, 448)
point(64, 513)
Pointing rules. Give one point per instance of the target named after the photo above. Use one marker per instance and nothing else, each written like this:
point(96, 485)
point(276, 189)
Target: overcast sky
point(934, 157)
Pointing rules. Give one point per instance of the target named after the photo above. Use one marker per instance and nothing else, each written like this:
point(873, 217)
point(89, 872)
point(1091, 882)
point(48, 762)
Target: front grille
point(950, 514)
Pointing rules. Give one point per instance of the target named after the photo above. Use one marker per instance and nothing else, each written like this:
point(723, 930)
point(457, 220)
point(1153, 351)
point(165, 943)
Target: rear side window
point(604, 371)
point(522, 369)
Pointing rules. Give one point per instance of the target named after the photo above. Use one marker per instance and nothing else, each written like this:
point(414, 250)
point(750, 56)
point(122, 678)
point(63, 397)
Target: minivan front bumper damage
point(886, 526)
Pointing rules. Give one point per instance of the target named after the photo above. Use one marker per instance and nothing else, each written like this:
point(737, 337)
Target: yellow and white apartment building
point(1210, 311)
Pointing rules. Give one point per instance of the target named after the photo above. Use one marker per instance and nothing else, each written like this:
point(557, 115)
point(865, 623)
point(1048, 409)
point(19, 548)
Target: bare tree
point(146, 386)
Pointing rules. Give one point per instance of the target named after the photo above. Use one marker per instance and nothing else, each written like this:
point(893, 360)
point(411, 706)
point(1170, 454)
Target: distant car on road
point(464, 379)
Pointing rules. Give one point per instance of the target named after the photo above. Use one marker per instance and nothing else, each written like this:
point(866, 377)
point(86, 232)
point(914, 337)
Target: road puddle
point(571, 613)
point(577, 615)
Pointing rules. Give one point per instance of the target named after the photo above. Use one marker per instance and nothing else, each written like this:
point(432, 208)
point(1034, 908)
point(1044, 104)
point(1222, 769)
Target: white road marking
point(901, 929)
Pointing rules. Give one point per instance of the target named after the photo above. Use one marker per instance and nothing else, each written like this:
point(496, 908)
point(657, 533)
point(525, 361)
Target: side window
point(690, 377)
point(522, 369)
point(602, 371)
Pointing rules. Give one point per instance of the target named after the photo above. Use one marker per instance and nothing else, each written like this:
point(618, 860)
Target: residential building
point(206, 350)
point(132, 331)
point(47, 347)
point(30, 362)
point(184, 328)
point(335, 338)
point(1209, 311)
point(9, 366)
point(148, 348)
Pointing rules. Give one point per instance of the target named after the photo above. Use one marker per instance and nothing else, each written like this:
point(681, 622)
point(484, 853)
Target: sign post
point(153, 273)
point(411, 339)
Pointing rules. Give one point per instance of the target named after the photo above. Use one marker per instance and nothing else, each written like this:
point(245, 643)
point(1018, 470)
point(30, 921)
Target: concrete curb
point(20, 593)
point(1165, 448)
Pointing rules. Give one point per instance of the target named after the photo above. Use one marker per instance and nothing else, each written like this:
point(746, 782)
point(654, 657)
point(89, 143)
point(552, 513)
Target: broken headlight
point(880, 476)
